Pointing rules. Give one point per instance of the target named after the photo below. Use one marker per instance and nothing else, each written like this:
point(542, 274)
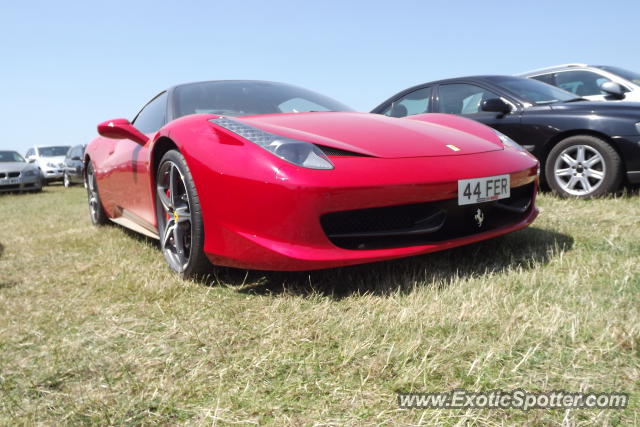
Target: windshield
point(533, 91)
point(11, 156)
point(243, 98)
point(53, 151)
point(625, 74)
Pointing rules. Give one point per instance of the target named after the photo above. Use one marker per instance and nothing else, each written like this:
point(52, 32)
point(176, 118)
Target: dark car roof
point(485, 77)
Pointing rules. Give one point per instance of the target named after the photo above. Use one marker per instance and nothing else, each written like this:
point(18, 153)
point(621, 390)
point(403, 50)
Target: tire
point(179, 216)
point(96, 210)
point(583, 166)
point(66, 181)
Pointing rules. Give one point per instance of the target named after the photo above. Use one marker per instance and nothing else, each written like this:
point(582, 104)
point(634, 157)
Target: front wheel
point(583, 166)
point(96, 210)
point(180, 225)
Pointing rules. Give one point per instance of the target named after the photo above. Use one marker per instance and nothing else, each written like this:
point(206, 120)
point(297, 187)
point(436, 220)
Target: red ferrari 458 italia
point(269, 176)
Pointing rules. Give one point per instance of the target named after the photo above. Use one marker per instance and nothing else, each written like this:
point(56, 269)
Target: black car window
point(531, 91)
point(75, 152)
point(546, 78)
point(152, 117)
point(580, 82)
point(416, 102)
point(462, 98)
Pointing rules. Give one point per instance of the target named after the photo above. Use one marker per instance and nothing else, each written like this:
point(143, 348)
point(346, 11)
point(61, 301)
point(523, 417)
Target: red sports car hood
point(382, 136)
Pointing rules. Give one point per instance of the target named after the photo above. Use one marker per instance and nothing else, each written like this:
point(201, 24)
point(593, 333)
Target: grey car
point(18, 175)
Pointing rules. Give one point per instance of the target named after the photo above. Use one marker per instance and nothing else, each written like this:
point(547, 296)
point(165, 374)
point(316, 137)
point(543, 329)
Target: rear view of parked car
point(50, 161)
point(18, 175)
point(73, 166)
point(593, 82)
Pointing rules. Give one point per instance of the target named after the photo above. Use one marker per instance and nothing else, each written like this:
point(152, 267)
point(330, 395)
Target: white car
point(593, 82)
point(50, 160)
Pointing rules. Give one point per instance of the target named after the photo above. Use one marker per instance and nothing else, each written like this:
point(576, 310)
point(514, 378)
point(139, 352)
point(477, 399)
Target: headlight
point(508, 142)
point(30, 172)
point(298, 152)
point(638, 127)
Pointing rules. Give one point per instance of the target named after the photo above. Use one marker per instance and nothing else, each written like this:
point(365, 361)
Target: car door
point(466, 98)
point(129, 181)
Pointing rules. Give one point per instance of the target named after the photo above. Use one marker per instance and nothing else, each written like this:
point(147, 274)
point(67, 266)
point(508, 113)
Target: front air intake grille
point(330, 151)
point(423, 223)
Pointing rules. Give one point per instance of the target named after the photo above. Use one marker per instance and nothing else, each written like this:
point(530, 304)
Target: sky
point(66, 66)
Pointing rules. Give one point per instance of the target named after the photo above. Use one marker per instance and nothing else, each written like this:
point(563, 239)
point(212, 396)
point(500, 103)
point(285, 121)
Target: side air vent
point(330, 151)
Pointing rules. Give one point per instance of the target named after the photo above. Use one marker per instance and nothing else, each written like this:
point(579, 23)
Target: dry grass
point(95, 329)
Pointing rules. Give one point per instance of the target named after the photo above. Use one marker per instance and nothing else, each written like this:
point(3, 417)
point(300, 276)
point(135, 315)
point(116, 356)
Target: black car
point(586, 149)
point(73, 166)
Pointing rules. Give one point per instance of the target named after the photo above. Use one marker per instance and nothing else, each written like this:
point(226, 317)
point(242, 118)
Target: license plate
point(480, 190)
point(10, 181)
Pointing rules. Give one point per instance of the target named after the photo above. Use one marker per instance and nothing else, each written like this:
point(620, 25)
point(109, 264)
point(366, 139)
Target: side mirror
point(121, 129)
point(495, 105)
point(30, 159)
point(613, 89)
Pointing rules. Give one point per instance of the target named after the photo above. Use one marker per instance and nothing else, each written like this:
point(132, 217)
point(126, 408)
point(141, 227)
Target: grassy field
point(94, 328)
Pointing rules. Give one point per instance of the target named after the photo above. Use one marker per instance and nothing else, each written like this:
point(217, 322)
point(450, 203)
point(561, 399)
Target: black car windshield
point(11, 156)
point(53, 151)
point(625, 74)
point(243, 98)
point(533, 91)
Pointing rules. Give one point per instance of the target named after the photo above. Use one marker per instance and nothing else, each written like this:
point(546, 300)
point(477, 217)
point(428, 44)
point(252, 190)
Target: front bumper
point(53, 174)
point(275, 224)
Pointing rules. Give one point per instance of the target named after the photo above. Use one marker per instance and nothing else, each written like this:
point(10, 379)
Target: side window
point(30, 152)
point(416, 102)
point(546, 78)
point(153, 115)
point(461, 98)
point(580, 82)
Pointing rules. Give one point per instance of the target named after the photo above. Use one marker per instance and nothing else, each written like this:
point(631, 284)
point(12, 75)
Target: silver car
point(592, 82)
point(18, 175)
point(50, 160)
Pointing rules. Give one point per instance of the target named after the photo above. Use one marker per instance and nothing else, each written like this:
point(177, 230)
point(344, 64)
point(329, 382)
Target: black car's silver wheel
point(179, 220)
point(96, 211)
point(583, 166)
point(579, 170)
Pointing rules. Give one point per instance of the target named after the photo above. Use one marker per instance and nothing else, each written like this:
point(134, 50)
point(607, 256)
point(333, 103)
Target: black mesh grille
point(330, 151)
point(423, 223)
